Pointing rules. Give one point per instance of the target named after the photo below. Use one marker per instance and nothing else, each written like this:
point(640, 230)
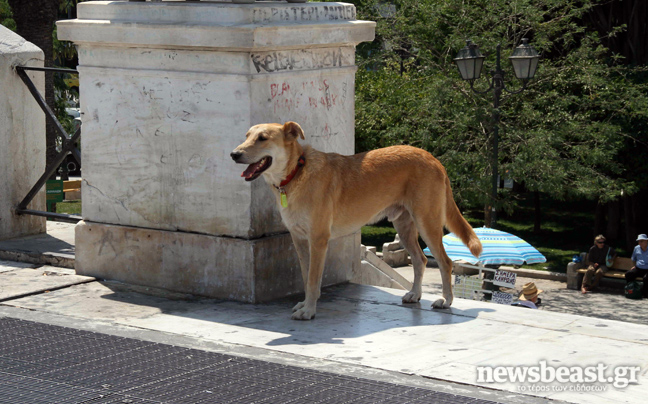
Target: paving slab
point(6, 266)
point(369, 327)
point(18, 281)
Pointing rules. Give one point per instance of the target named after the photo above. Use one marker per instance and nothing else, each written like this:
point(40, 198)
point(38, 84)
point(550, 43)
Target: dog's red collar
point(281, 189)
point(300, 164)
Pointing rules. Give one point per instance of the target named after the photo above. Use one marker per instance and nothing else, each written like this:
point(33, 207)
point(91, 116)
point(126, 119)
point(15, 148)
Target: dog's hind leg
point(406, 228)
point(432, 233)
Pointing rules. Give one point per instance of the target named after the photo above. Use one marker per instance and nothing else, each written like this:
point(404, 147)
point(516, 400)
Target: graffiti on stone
point(301, 13)
point(305, 59)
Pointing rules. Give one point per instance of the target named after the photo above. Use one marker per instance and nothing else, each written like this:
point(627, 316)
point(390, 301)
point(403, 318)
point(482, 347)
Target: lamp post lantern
point(470, 61)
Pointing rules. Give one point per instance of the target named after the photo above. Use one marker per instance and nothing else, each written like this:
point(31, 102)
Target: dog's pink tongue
point(249, 172)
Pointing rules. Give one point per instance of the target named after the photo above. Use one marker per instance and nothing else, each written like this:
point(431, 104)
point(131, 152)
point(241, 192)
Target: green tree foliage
point(5, 16)
point(568, 134)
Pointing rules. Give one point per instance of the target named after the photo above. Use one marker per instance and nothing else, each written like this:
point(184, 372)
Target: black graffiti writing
point(297, 60)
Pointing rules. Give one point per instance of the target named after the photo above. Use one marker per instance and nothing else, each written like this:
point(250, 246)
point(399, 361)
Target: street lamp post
point(470, 62)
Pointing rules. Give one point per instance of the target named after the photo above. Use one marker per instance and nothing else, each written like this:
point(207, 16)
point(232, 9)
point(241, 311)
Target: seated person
point(640, 259)
point(529, 296)
point(597, 257)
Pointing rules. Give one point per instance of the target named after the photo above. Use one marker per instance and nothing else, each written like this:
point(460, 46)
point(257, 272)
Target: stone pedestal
point(168, 90)
point(22, 136)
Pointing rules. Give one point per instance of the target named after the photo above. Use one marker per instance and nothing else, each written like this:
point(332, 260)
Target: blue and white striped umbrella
point(499, 248)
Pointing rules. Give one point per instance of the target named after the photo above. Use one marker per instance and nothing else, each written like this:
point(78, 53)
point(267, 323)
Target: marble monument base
point(251, 271)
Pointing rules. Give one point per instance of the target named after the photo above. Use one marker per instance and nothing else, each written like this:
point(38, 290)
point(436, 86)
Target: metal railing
point(68, 146)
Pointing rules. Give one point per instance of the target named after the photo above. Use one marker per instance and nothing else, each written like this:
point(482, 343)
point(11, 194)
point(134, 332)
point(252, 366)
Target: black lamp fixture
point(525, 60)
point(470, 61)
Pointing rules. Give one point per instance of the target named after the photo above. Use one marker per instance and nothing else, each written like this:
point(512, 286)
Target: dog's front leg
point(301, 245)
point(318, 248)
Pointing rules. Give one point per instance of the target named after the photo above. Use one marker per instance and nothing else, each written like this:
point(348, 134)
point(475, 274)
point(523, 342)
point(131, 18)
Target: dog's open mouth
point(254, 170)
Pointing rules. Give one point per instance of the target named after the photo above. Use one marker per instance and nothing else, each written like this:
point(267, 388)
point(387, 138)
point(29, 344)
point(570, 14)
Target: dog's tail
point(456, 223)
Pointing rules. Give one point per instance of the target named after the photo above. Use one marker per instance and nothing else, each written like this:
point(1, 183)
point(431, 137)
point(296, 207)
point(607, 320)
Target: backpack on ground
point(633, 290)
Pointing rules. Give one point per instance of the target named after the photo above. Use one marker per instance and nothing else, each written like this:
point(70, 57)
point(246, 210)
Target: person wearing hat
point(640, 259)
point(529, 296)
point(596, 257)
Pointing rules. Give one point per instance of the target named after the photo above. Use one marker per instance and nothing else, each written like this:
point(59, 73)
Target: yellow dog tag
point(284, 200)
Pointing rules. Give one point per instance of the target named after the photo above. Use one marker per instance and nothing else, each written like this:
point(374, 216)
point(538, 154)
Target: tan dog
point(331, 195)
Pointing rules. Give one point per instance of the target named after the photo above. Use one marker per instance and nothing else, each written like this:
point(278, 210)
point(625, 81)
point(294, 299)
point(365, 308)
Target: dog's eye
point(262, 138)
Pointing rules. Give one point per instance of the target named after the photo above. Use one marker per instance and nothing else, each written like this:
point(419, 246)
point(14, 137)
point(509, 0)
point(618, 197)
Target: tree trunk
point(599, 220)
point(537, 222)
point(630, 222)
point(640, 211)
point(487, 215)
point(35, 22)
point(613, 222)
point(636, 217)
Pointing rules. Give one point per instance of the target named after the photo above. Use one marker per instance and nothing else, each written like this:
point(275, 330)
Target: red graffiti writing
point(312, 94)
point(278, 90)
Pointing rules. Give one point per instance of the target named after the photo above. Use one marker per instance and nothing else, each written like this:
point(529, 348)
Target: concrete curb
point(463, 268)
point(534, 273)
point(53, 259)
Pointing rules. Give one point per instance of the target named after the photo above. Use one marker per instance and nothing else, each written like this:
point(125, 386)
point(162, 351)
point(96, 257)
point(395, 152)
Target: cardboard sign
point(502, 298)
point(466, 286)
point(504, 278)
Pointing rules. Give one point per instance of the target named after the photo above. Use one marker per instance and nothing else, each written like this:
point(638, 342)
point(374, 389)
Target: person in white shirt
point(640, 259)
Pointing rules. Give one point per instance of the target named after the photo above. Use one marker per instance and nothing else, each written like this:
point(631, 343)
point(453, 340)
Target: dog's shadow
point(344, 311)
point(357, 311)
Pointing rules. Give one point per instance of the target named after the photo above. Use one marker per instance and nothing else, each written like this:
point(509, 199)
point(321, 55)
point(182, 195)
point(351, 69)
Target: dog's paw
point(298, 306)
point(441, 304)
point(412, 297)
point(304, 313)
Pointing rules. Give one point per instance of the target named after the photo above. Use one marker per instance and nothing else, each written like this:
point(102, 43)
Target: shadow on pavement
point(344, 311)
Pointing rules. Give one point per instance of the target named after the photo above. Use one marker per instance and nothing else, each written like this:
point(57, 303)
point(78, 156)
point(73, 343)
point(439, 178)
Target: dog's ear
point(292, 130)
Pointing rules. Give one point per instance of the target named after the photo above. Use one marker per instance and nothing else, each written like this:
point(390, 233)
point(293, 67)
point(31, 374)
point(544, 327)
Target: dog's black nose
point(235, 155)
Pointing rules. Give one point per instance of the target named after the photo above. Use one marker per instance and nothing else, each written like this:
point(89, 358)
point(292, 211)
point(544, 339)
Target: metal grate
point(41, 363)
